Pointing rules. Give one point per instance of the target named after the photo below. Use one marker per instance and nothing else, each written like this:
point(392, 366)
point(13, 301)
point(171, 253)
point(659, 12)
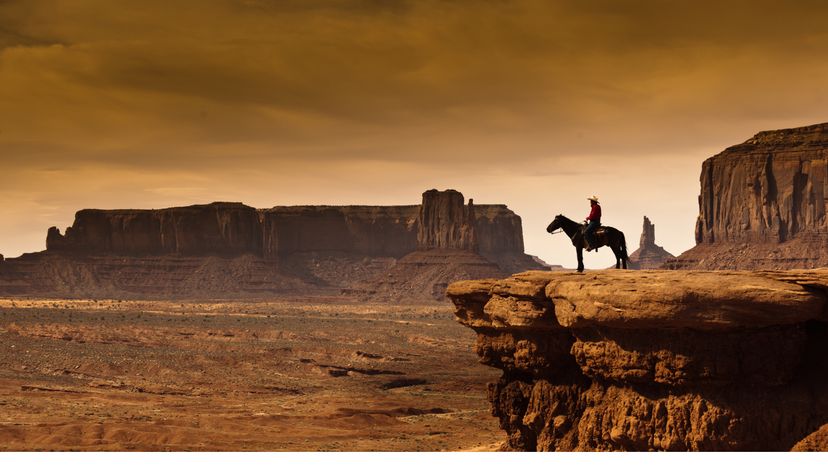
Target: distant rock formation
point(448, 249)
point(653, 360)
point(364, 230)
point(648, 255)
point(219, 248)
point(232, 229)
point(220, 228)
point(762, 204)
point(445, 223)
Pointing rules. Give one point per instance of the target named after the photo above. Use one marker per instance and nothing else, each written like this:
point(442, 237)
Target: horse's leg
point(617, 256)
point(580, 253)
point(622, 252)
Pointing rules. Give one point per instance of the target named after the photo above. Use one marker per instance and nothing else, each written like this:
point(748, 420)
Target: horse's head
point(556, 223)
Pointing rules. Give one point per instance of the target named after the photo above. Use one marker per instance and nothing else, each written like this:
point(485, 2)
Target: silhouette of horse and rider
point(592, 235)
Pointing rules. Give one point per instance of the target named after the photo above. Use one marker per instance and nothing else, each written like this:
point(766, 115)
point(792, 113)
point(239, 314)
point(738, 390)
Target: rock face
point(220, 248)
point(365, 230)
point(817, 441)
point(648, 255)
point(220, 228)
point(653, 360)
point(232, 229)
point(767, 193)
point(445, 223)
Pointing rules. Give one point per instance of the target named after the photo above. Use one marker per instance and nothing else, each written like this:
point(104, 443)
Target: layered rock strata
point(768, 197)
point(653, 360)
point(649, 255)
point(445, 223)
point(442, 221)
point(230, 249)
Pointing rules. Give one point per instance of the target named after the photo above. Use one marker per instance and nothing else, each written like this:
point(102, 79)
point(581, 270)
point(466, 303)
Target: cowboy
point(593, 222)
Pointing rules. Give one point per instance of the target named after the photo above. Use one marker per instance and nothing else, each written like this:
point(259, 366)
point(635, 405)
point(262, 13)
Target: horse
point(603, 236)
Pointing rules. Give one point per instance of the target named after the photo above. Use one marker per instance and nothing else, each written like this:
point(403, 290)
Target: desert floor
point(265, 376)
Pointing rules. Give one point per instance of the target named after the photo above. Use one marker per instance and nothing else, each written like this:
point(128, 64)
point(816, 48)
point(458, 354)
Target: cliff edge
point(653, 360)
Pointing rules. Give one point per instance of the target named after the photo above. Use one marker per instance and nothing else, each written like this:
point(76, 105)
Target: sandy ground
point(265, 376)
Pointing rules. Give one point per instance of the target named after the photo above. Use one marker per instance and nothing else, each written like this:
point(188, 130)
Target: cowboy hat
point(593, 198)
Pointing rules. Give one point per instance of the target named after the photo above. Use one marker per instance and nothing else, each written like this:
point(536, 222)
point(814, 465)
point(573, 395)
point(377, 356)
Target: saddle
point(597, 236)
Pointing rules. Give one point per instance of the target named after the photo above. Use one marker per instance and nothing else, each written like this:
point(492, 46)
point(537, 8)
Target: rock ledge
point(653, 360)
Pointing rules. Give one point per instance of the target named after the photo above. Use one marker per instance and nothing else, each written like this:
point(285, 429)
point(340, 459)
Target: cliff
point(442, 221)
point(218, 228)
point(769, 194)
point(230, 249)
point(233, 229)
point(454, 242)
point(649, 255)
point(445, 223)
point(365, 230)
point(653, 360)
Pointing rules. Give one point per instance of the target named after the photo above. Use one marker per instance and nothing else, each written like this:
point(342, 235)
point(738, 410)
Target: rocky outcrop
point(499, 235)
point(445, 222)
point(424, 275)
point(768, 193)
point(653, 360)
point(389, 231)
point(817, 441)
point(448, 249)
point(235, 250)
point(233, 229)
point(220, 228)
point(649, 255)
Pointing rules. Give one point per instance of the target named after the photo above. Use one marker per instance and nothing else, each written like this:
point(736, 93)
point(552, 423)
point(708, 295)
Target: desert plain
point(92, 375)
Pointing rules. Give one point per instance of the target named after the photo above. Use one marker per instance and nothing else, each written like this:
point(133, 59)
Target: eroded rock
point(649, 255)
point(762, 204)
point(226, 249)
point(655, 360)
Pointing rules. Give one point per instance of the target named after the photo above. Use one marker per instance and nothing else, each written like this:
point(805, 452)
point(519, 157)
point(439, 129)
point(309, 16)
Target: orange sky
point(536, 104)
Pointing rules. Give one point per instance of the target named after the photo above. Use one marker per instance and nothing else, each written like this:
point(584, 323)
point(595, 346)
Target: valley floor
point(262, 376)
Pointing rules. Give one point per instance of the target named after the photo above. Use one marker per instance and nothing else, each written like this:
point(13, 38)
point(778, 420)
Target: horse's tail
point(623, 246)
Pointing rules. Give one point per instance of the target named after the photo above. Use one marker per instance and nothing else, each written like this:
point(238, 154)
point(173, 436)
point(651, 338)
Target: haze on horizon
point(530, 103)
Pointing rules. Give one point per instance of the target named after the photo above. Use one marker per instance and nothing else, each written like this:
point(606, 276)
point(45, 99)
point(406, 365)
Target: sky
point(534, 104)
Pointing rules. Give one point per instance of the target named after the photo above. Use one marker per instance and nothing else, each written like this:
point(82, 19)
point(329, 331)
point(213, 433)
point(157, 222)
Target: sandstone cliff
point(454, 242)
point(649, 255)
point(767, 193)
point(445, 222)
point(442, 221)
point(365, 230)
point(230, 249)
point(653, 360)
point(217, 228)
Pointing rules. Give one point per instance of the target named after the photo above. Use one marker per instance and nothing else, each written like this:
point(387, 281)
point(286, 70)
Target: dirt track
point(113, 375)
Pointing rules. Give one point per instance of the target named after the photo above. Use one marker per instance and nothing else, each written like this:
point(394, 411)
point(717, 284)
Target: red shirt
point(595, 213)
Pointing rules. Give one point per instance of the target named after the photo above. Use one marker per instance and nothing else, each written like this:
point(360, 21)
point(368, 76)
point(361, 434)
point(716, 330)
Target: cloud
point(332, 91)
